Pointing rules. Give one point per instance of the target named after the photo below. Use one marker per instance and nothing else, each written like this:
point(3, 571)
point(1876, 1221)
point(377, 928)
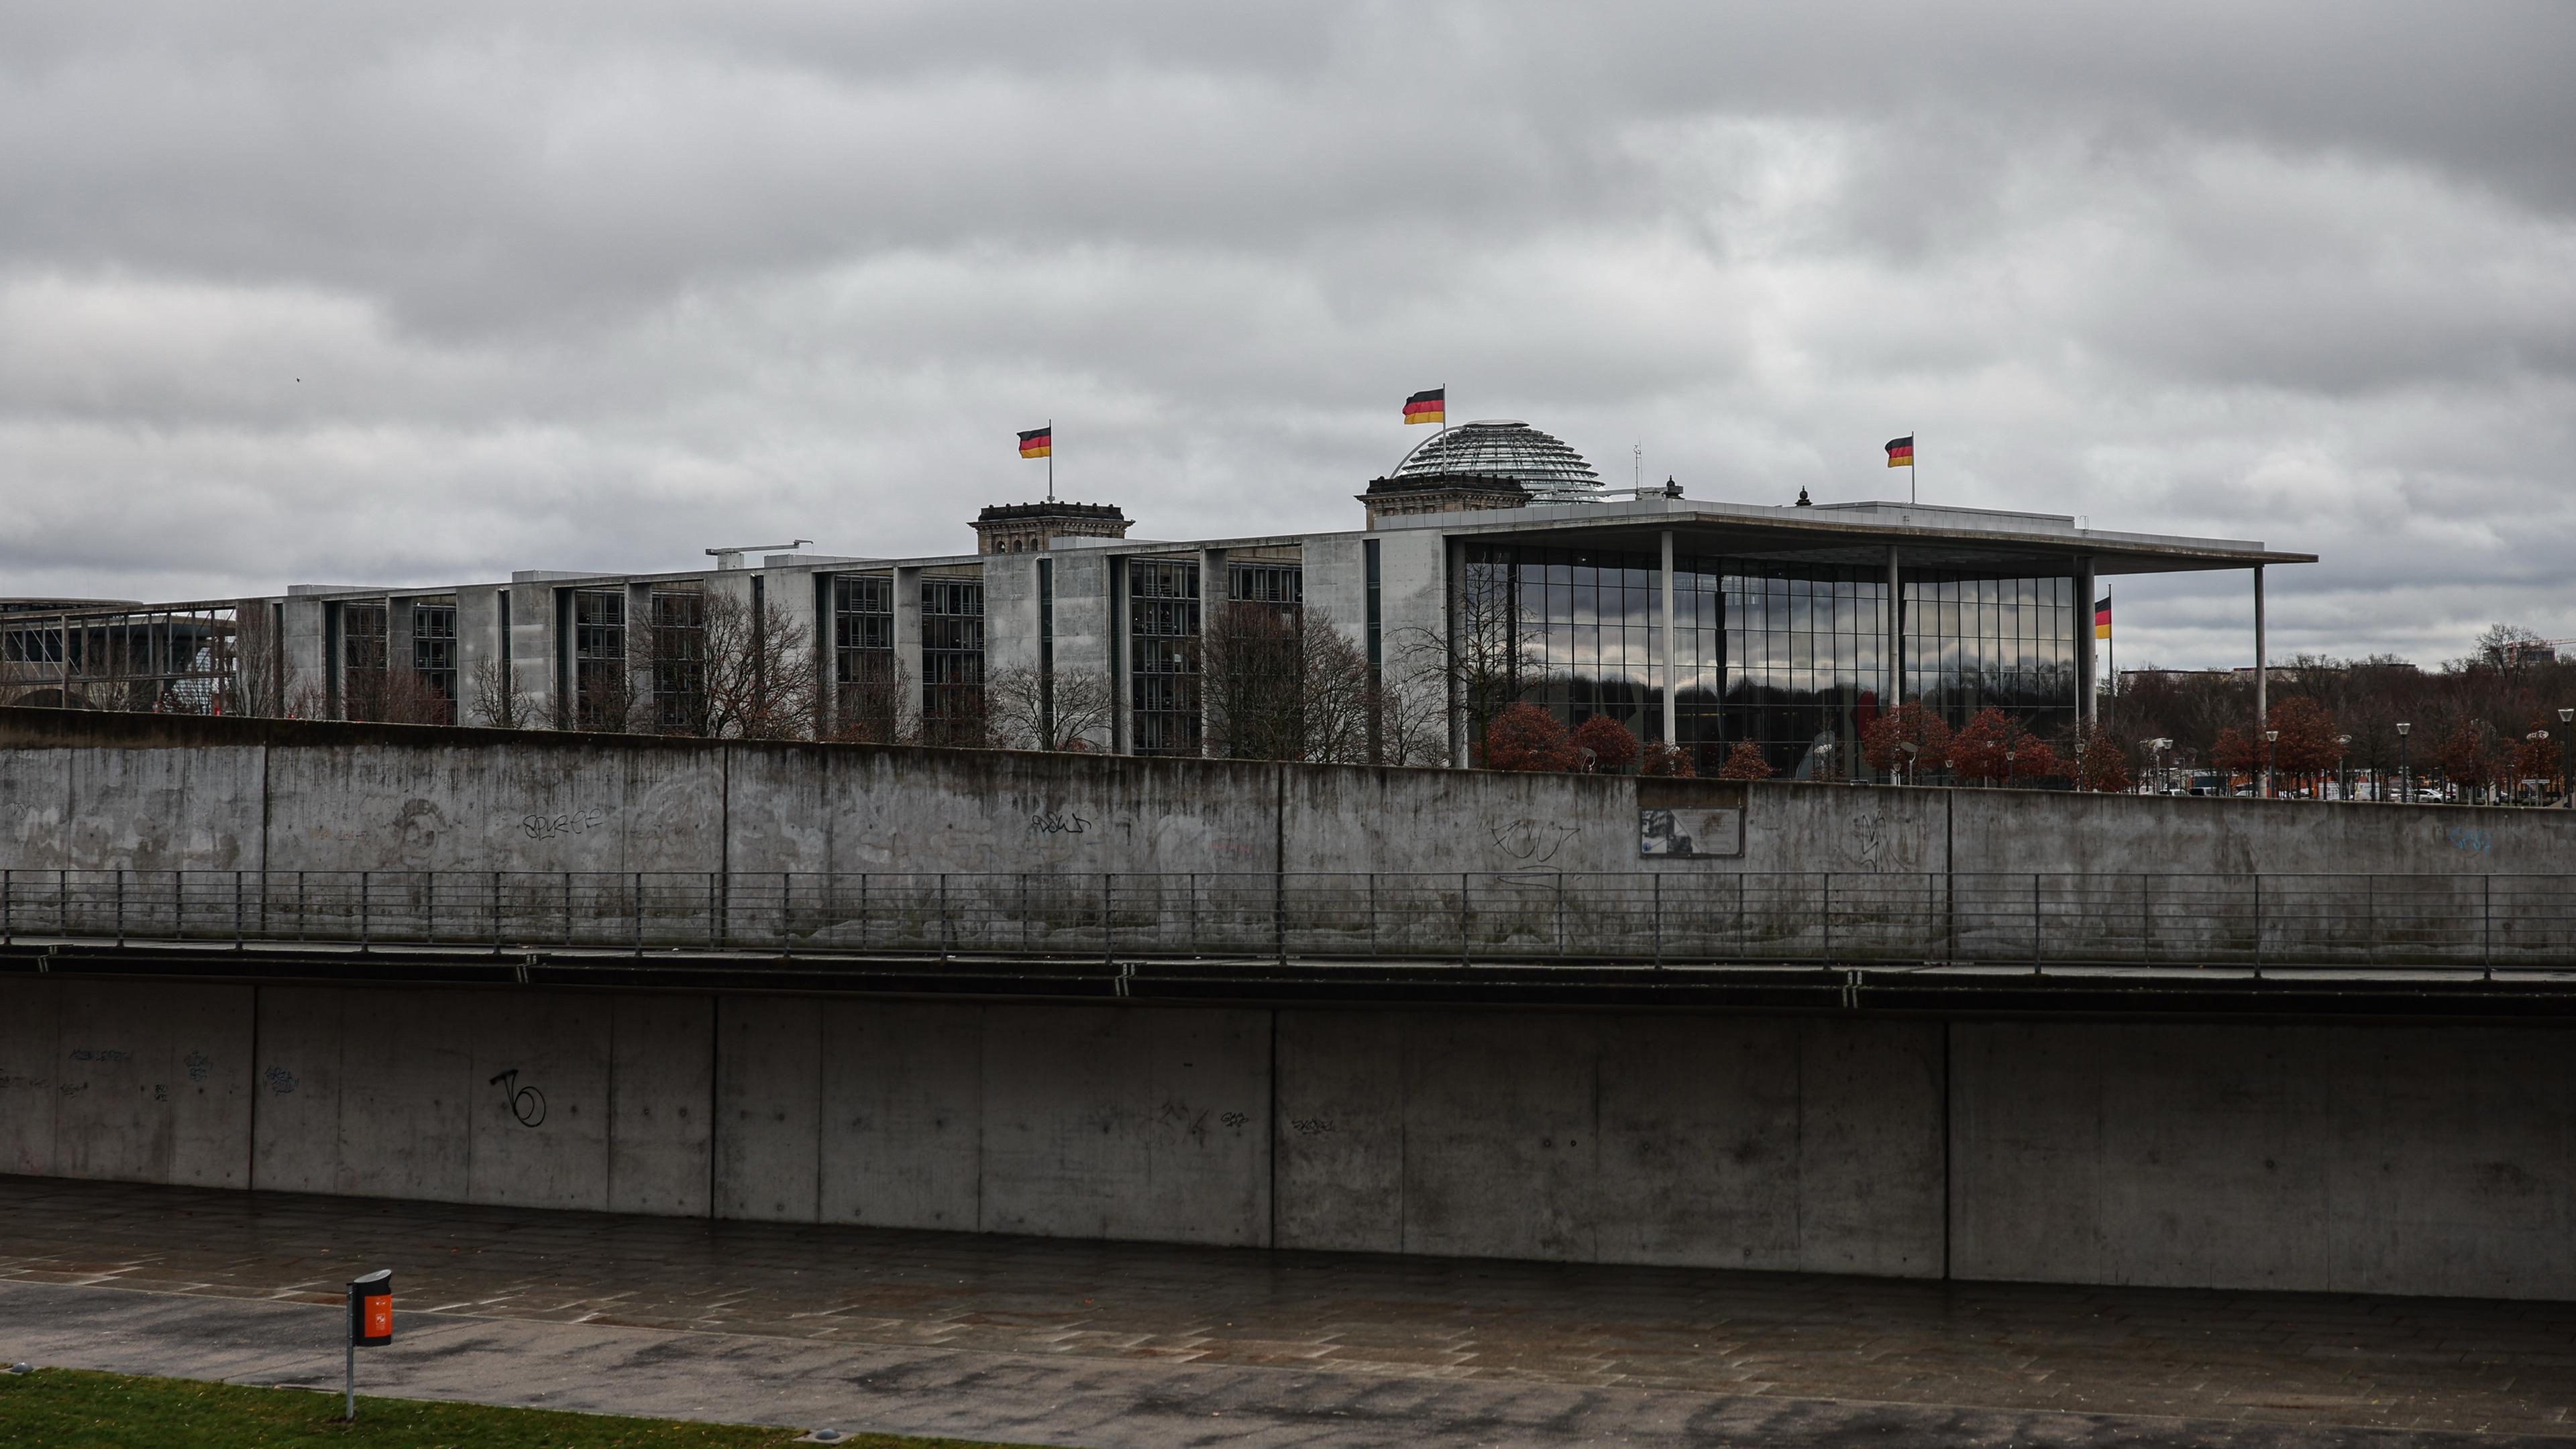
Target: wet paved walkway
point(1078, 1342)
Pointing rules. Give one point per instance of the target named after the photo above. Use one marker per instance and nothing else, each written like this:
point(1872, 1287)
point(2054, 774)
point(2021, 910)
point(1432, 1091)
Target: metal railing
point(2468, 921)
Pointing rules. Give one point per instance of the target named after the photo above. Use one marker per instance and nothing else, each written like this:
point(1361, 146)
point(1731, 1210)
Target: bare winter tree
point(499, 701)
point(1492, 665)
point(757, 676)
point(879, 707)
point(1252, 682)
point(1053, 709)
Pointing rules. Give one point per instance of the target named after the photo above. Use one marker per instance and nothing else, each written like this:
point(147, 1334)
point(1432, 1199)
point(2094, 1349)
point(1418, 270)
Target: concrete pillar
point(1215, 592)
point(2087, 708)
point(907, 642)
point(1453, 555)
point(2262, 684)
point(1672, 651)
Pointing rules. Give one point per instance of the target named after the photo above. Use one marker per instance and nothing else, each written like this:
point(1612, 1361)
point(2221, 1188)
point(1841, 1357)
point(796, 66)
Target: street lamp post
point(1910, 750)
point(2535, 737)
point(2405, 777)
point(2160, 745)
point(2270, 737)
point(2343, 765)
point(2008, 765)
point(2567, 752)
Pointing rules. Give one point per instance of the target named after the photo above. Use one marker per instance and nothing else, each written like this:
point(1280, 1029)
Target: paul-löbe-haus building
point(1492, 551)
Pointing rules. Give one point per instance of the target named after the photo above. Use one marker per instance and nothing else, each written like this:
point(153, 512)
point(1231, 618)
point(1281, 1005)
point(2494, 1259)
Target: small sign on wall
point(1690, 819)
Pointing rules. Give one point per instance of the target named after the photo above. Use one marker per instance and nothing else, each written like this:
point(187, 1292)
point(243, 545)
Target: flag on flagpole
point(1428, 407)
point(1900, 452)
point(1038, 442)
point(2102, 617)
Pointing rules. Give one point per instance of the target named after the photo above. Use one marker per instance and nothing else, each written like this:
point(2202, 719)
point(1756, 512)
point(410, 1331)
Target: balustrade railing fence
point(2473, 921)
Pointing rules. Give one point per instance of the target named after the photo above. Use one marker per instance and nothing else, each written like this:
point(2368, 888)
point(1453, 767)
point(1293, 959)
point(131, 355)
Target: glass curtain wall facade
point(1792, 656)
point(2009, 643)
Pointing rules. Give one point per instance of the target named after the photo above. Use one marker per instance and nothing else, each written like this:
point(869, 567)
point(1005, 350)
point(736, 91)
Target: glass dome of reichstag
point(1503, 448)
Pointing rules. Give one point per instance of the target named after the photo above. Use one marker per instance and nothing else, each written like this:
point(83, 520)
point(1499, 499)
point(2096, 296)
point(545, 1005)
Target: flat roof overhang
point(1859, 535)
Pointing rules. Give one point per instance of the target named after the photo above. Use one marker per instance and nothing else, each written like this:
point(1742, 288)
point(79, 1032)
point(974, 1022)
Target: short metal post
point(120, 906)
point(943, 915)
point(302, 903)
point(237, 908)
point(1025, 926)
point(786, 900)
point(496, 912)
point(636, 908)
point(366, 928)
point(1108, 948)
point(1560, 913)
point(349, 1405)
point(2487, 883)
point(1659, 919)
point(1829, 915)
point(567, 907)
point(429, 905)
point(1464, 957)
point(2258, 925)
point(6, 921)
point(1372, 914)
point(714, 916)
point(2034, 923)
point(2146, 916)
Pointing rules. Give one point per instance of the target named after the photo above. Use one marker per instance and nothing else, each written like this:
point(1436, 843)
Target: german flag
point(2102, 617)
point(1038, 442)
point(1428, 407)
point(1900, 452)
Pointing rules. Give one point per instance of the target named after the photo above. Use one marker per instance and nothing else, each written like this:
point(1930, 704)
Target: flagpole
point(1050, 460)
point(1913, 479)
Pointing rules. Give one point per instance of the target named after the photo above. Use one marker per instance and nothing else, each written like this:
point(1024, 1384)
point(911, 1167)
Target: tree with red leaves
point(1613, 747)
point(1745, 762)
point(1527, 738)
point(2103, 766)
point(1883, 739)
point(1669, 761)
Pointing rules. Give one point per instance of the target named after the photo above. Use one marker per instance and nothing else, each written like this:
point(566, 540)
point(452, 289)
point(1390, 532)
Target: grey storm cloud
point(403, 294)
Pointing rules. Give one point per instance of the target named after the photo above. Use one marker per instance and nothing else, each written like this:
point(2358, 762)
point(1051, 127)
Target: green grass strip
point(76, 1409)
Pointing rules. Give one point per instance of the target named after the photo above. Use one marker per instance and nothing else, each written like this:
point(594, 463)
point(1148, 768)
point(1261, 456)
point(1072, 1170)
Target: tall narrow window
point(433, 654)
point(952, 662)
point(679, 659)
point(363, 683)
point(603, 692)
point(867, 701)
point(1376, 614)
point(1163, 655)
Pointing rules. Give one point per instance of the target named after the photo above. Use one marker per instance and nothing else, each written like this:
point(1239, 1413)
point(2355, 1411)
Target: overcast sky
point(425, 293)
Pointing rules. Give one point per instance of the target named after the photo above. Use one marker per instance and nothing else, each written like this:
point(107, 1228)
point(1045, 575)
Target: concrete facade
point(2377, 1157)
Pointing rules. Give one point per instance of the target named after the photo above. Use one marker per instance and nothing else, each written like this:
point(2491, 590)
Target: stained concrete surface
point(1124, 1344)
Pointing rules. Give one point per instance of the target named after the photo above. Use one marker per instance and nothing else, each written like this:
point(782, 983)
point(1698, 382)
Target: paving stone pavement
point(1106, 1343)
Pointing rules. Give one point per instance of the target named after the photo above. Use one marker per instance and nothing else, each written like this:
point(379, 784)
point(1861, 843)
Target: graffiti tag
point(198, 1064)
point(571, 822)
point(1535, 841)
point(280, 1080)
point(86, 1054)
point(2472, 839)
point(526, 1103)
point(1064, 824)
